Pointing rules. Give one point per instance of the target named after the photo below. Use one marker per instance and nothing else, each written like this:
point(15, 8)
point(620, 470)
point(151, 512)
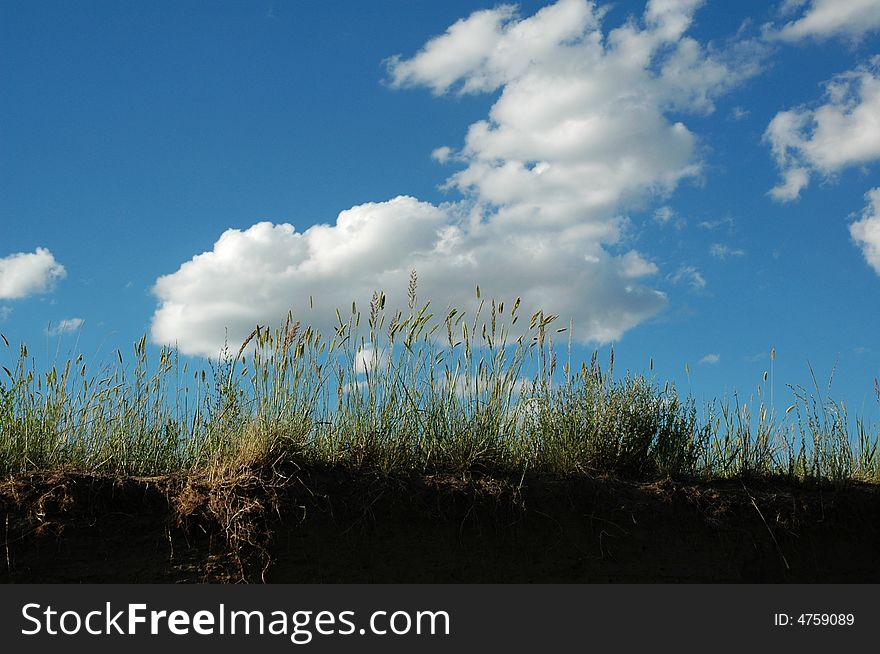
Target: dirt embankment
point(331, 525)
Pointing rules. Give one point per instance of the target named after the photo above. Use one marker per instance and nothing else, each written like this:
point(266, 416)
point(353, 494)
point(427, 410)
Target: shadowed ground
point(322, 524)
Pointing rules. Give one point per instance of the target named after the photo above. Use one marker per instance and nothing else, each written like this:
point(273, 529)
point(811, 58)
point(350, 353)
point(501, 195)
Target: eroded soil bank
point(337, 525)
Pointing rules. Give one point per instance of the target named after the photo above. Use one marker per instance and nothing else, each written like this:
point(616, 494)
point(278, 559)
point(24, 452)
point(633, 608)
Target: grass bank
point(410, 392)
point(411, 446)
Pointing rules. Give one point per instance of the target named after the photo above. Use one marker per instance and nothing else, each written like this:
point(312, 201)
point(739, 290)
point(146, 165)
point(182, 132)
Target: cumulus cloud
point(824, 19)
point(633, 265)
point(842, 132)
point(442, 154)
point(866, 232)
point(64, 326)
point(580, 131)
point(710, 359)
point(28, 273)
point(255, 275)
point(581, 123)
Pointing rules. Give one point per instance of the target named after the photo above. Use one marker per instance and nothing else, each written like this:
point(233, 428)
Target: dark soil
point(337, 525)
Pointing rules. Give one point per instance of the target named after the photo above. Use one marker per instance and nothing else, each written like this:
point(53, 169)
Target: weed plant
point(409, 392)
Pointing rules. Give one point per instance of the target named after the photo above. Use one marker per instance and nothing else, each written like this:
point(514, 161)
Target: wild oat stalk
point(410, 392)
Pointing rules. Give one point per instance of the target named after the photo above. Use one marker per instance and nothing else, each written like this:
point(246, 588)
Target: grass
point(410, 392)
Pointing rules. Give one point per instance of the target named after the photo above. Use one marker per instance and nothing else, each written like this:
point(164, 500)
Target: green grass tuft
point(409, 392)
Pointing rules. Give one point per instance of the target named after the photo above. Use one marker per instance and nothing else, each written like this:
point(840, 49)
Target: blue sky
point(689, 181)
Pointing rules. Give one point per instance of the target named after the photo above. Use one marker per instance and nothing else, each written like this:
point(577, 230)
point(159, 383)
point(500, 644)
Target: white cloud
point(716, 223)
point(256, 275)
point(739, 113)
point(5, 312)
point(28, 273)
point(64, 327)
point(866, 232)
point(710, 359)
point(579, 133)
point(788, 7)
point(690, 275)
point(369, 359)
point(828, 18)
point(633, 265)
point(794, 180)
point(442, 154)
point(467, 45)
point(724, 252)
point(843, 132)
point(580, 126)
point(664, 214)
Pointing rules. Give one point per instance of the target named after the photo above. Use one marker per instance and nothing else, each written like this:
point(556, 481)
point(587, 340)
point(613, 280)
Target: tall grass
point(409, 391)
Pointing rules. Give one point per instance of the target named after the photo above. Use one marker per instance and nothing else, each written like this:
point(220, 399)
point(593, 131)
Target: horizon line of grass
point(410, 393)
